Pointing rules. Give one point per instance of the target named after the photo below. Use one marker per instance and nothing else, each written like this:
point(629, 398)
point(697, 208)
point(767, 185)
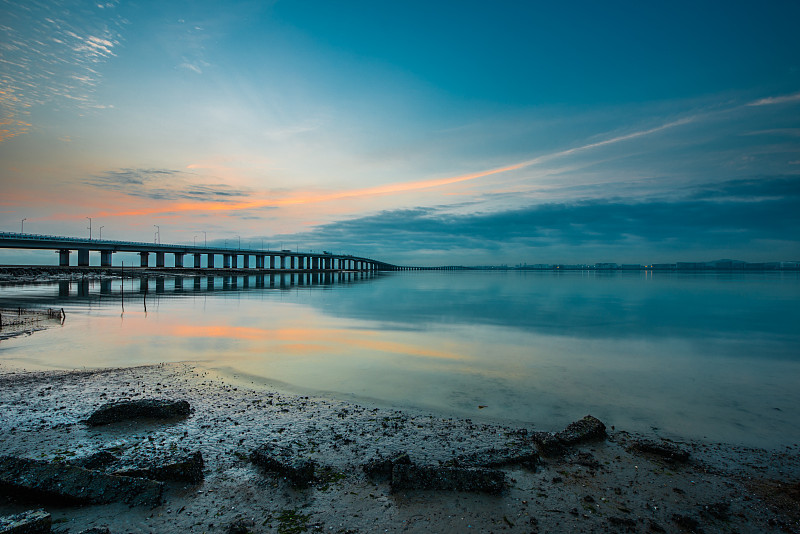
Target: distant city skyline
point(419, 133)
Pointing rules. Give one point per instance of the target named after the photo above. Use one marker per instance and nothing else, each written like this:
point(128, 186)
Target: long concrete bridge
point(282, 260)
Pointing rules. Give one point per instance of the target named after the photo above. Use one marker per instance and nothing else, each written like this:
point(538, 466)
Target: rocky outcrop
point(525, 456)
point(587, 429)
point(115, 412)
point(582, 431)
point(69, 483)
point(98, 460)
point(299, 471)
point(30, 522)
point(183, 469)
point(381, 467)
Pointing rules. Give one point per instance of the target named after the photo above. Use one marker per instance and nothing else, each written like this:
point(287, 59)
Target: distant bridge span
point(281, 260)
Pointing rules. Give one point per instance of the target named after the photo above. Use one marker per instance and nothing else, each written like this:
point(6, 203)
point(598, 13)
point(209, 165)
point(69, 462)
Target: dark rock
point(186, 469)
point(663, 449)
point(281, 460)
point(587, 429)
point(139, 409)
point(96, 530)
point(30, 522)
point(492, 457)
point(548, 444)
point(98, 460)
point(688, 523)
point(64, 482)
point(415, 477)
point(381, 467)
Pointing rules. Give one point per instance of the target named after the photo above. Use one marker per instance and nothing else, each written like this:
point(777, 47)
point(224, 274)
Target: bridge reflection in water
point(89, 289)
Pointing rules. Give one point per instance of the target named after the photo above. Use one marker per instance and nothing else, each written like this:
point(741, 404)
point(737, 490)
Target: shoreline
point(597, 486)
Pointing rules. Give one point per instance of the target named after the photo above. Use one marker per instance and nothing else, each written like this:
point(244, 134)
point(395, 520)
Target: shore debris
point(663, 449)
point(584, 430)
point(183, 469)
point(381, 467)
point(29, 522)
point(589, 428)
point(473, 479)
point(283, 461)
point(525, 456)
point(65, 482)
point(115, 412)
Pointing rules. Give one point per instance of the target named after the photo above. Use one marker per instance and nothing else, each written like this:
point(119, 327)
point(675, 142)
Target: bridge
point(232, 258)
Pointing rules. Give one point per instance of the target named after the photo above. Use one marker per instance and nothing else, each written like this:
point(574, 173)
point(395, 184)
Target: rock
point(493, 457)
point(69, 483)
point(415, 477)
point(663, 449)
point(96, 530)
point(587, 429)
point(381, 467)
point(281, 460)
point(186, 469)
point(548, 444)
point(30, 522)
point(98, 460)
point(138, 409)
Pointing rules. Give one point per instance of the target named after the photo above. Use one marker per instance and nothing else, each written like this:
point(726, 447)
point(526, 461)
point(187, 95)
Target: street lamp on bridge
point(90, 228)
point(101, 233)
point(22, 225)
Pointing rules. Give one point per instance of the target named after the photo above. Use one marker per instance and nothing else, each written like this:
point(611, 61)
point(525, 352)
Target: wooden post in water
point(122, 287)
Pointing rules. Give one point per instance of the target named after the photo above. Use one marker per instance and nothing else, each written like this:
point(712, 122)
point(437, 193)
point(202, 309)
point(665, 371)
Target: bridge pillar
point(283, 262)
point(105, 258)
point(272, 262)
point(144, 256)
point(83, 257)
point(259, 261)
point(226, 261)
point(179, 259)
point(63, 258)
point(211, 260)
point(246, 261)
point(197, 260)
point(159, 259)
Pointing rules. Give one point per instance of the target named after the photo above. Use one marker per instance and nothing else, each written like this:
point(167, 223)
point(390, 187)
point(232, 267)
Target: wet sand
point(599, 486)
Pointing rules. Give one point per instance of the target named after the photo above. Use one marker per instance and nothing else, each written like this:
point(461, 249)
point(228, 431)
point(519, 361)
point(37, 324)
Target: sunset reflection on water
point(692, 356)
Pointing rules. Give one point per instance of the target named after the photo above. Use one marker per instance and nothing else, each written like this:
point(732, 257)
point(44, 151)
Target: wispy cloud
point(51, 53)
point(772, 100)
point(164, 184)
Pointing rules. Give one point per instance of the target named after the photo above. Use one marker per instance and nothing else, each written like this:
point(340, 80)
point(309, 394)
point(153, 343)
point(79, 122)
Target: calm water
point(713, 356)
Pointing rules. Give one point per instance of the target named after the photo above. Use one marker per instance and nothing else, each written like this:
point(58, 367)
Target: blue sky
point(413, 132)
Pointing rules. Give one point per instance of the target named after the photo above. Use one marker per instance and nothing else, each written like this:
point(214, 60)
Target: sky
point(416, 133)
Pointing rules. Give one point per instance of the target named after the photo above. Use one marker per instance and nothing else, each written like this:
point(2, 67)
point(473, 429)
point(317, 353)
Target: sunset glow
point(417, 142)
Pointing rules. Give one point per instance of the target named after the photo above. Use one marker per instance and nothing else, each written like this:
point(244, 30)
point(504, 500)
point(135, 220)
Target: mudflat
point(270, 461)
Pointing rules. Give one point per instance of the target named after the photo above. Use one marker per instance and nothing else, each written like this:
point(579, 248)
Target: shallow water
point(709, 356)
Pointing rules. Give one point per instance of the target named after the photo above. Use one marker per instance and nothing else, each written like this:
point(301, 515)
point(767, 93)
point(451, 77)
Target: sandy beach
point(600, 485)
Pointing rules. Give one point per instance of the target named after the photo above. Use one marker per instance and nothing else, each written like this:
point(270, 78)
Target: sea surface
point(712, 356)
